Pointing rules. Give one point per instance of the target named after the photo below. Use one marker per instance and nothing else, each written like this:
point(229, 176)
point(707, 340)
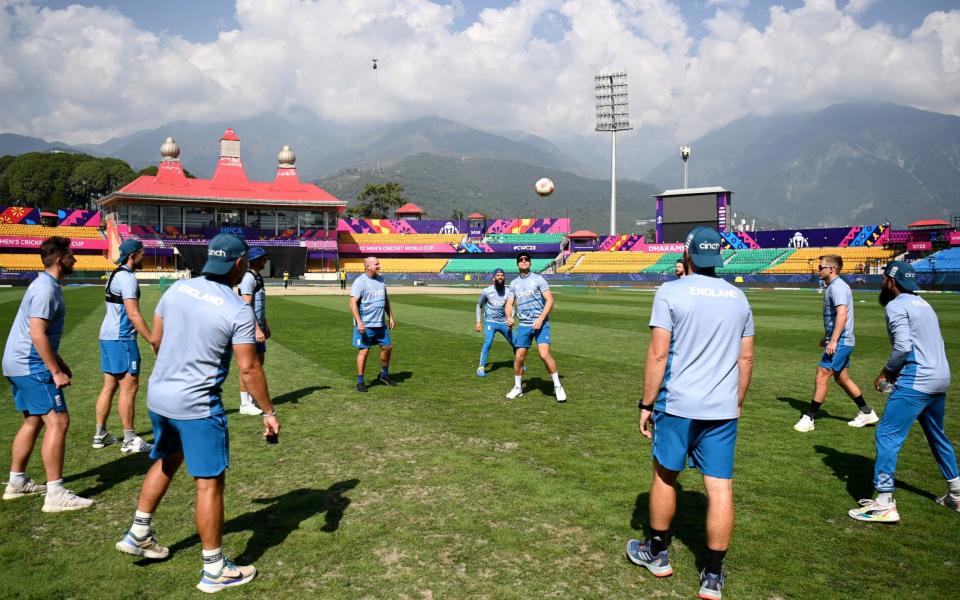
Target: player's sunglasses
point(822, 267)
point(524, 259)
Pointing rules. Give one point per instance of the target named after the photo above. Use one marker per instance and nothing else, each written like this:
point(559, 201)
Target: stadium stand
point(524, 238)
point(397, 265)
point(804, 260)
point(20, 262)
point(91, 262)
point(945, 261)
point(609, 262)
point(399, 238)
point(488, 265)
point(41, 231)
point(665, 264)
point(752, 261)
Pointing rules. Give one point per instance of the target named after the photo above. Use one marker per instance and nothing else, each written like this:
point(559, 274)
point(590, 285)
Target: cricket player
point(838, 342)
point(199, 323)
point(253, 293)
point(372, 321)
point(697, 373)
point(491, 317)
point(119, 353)
point(918, 368)
point(533, 299)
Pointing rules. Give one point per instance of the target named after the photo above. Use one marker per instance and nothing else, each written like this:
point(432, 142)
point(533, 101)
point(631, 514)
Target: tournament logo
point(798, 241)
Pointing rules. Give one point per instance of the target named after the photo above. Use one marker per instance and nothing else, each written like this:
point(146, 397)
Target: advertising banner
point(535, 248)
point(920, 246)
point(320, 244)
point(75, 243)
point(664, 248)
point(954, 237)
point(397, 249)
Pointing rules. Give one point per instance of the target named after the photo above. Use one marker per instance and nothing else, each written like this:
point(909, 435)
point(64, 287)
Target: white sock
point(213, 561)
point(245, 398)
point(141, 524)
point(953, 484)
point(556, 379)
point(517, 380)
point(885, 499)
point(55, 488)
point(129, 434)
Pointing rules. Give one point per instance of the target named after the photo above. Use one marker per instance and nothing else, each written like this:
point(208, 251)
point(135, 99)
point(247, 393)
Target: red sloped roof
point(929, 223)
point(230, 135)
point(476, 216)
point(231, 187)
point(408, 209)
point(583, 233)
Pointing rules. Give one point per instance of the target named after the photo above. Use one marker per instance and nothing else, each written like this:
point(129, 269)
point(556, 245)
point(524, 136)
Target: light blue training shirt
point(838, 293)
point(707, 318)
point(44, 300)
point(249, 287)
point(371, 295)
point(918, 352)
point(528, 297)
point(492, 305)
point(202, 321)
point(116, 323)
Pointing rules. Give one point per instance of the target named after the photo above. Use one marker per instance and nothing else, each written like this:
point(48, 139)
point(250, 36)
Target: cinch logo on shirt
point(195, 293)
point(712, 293)
point(375, 293)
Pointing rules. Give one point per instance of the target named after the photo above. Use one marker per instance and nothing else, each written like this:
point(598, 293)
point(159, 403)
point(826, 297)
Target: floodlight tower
point(613, 115)
point(685, 155)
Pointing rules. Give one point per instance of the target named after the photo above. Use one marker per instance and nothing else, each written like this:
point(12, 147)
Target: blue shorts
point(261, 347)
point(491, 329)
point(709, 444)
point(840, 359)
point(119, 356)
point(524, 335)
point(36, 394)
point(372, 336)
point(205, 443)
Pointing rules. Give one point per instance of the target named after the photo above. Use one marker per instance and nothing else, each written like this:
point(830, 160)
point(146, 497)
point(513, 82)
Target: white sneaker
point(146, 547)
point(863, 419)
point(102, 441)
point(24, 488)
point(874, 512)
point(559, 393)
point(250, 409)
point(805, 424)
point(65, 500)
point(481, 372)
point(515, 393)
point(135, 445)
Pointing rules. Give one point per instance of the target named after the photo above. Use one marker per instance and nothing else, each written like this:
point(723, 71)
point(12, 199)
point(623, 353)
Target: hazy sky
point(88, 71)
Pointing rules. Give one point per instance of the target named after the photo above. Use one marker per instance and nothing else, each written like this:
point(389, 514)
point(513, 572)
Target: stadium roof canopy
point(229, 185)
point(583, 233)
point(409, 209)
point(694, 191)
point(476, 216)
point(929, 223)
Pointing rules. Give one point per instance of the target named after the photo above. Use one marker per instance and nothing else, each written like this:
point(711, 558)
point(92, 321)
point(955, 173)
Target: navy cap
point(222, 253)
point(524, 254)
point(128, 247)
point(703, 245)
point(255, 253)
point(903, 273)
point(498, 270)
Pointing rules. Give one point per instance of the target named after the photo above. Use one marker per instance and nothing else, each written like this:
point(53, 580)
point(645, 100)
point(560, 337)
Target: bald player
point(372, 321)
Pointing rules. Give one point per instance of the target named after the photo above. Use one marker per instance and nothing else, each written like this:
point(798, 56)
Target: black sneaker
point(362, 387)
point(385, 380)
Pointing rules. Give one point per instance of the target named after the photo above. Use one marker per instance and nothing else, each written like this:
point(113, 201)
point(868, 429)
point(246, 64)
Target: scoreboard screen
point(679, 211)
point(688, 209)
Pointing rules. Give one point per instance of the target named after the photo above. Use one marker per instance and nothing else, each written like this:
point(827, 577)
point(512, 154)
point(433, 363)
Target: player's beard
point(886, 295)
point(500, 286)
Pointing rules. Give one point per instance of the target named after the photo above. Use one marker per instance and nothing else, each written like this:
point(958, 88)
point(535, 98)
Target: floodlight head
point(684, 153)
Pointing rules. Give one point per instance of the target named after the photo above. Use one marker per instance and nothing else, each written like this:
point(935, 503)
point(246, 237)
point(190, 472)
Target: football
point(544, 187)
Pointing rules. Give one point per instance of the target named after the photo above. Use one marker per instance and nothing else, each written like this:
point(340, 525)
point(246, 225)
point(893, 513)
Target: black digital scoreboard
point(679, 211)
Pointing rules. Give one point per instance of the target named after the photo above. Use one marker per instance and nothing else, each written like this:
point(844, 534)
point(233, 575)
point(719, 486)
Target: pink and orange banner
point(397, 249)
point(75, 243)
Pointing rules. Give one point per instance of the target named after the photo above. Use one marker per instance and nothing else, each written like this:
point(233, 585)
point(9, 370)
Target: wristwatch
point(272, 413)
point(643, 406)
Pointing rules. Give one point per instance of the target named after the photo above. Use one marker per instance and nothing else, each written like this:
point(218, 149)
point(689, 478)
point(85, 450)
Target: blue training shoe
point(231, 575)
point(639, 554)
point(481, 372)
point(710, 585)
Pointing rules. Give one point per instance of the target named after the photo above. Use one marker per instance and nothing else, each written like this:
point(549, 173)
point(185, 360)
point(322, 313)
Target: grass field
point(441, 488)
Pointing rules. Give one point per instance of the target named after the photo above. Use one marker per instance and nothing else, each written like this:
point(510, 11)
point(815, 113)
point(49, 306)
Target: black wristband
point(643, 406)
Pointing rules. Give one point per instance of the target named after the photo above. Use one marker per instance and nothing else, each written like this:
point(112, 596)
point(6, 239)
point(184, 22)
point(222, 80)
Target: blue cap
point(903, 273)
point(255, 253)
point(703, 245)
point(128, 247)
point(498, 270)
point(222, 253)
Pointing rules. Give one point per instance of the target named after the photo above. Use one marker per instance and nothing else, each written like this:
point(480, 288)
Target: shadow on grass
point(294, 396)
point(399, 377)
point(689, 525)
point(857, 472)
point(503, 364)
point(545, 386)
point(280, 516)
point(109, 474)
point(802, 405)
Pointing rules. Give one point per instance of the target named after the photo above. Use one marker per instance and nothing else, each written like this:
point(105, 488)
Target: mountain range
point(842, 165)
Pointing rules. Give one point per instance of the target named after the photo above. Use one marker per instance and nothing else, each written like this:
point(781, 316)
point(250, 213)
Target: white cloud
point(86, 74)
